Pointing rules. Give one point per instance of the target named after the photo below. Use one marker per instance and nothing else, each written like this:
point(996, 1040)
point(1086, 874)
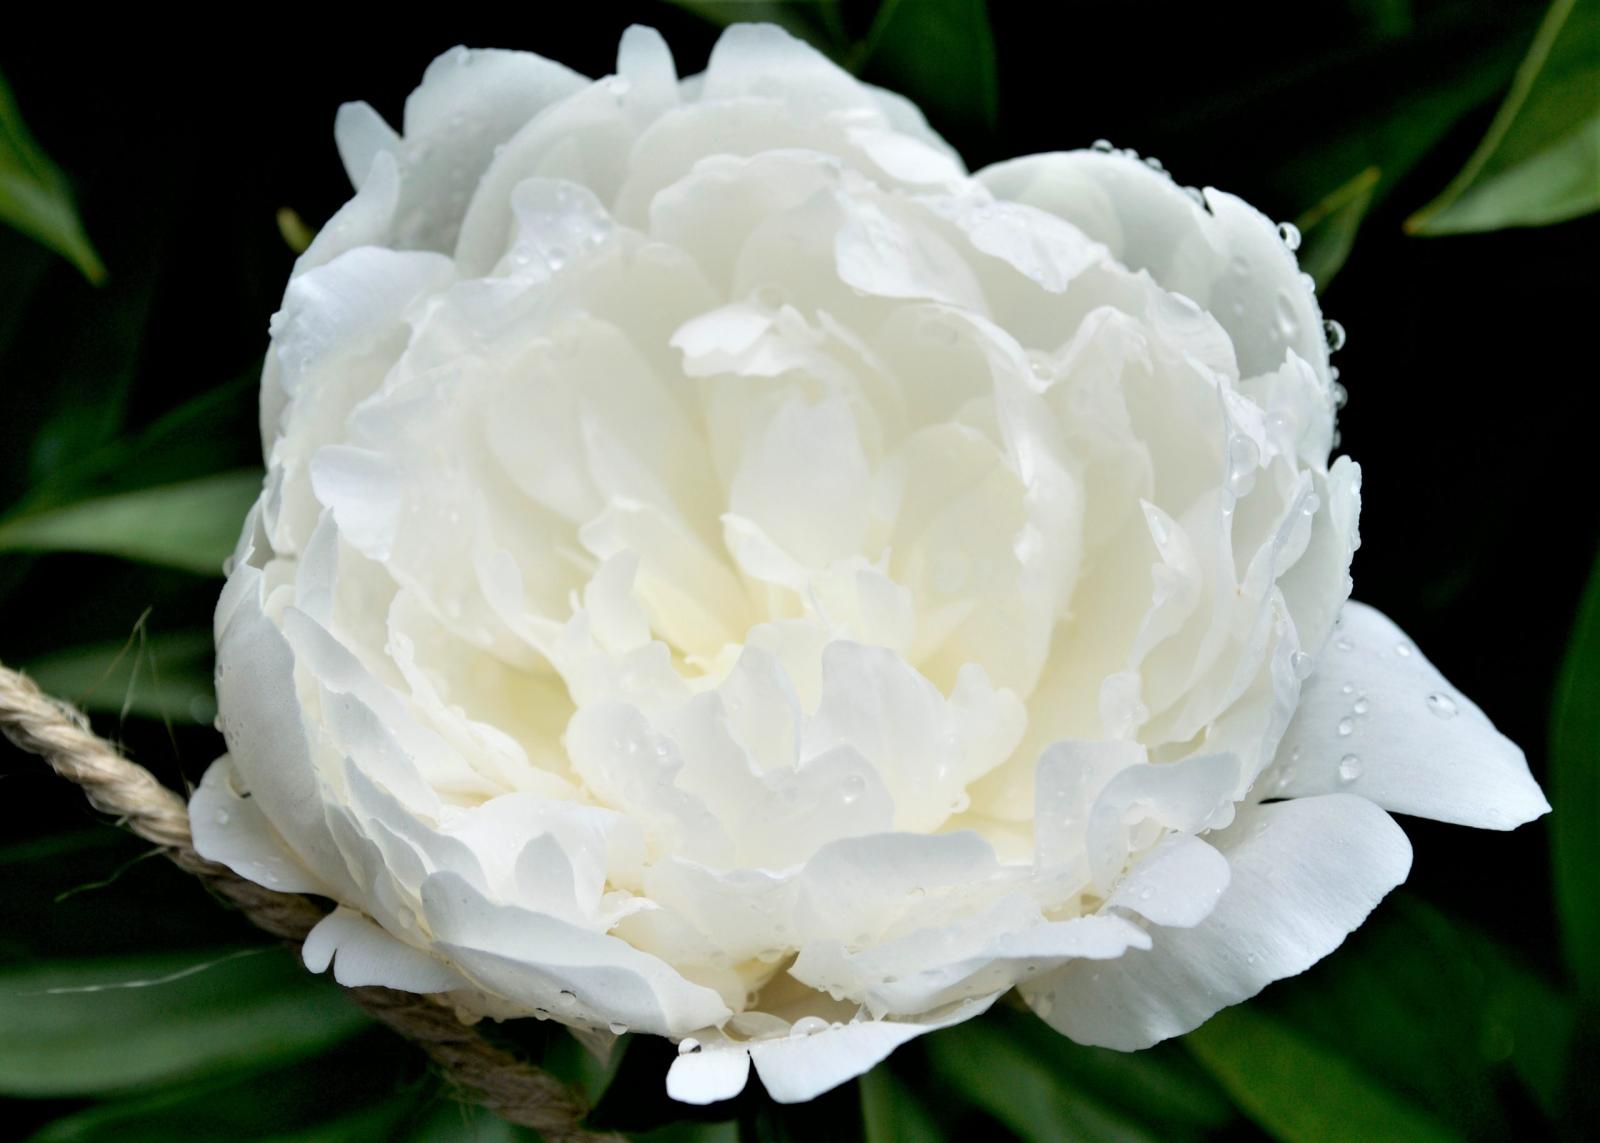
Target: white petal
point(230, 828)
point(797, 1068)
point(717, 1071)
point(1304, 874)
point(1379, 720)
point(1177, 883)
point(363, 954)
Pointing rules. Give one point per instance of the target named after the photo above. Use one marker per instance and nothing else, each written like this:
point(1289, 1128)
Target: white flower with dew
point(727, 573)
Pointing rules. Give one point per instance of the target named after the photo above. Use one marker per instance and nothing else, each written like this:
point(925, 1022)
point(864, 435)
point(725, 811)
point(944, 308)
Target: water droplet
point(1349, 768)
point(1153, 163)
point(1302, 664)
point(852, 787)
point(1361, 705)
point(1250, 958)
point(807, 1025)
point(685, 1047)
point(223, 817)
point(1310, 504)
point(618, 1028)
point(1146, 893)
point(1442, 705)
point(962, 803)
point(1341, 396)
point(1290, 233)
point(1403, 650)
point(1335, 334)
point(1104, 146)
point(1346, 727)
point(1348, 688)
point(1243, 460)
point(621, 85)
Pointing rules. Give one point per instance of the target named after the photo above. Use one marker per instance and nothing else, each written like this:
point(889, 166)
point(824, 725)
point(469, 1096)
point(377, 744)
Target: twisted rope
point(485, 1074)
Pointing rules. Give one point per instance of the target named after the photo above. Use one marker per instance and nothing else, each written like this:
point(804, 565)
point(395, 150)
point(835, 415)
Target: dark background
point(1471, 378)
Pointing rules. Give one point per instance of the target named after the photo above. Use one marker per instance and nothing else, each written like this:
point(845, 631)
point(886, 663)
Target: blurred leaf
point(33, 193)
point(1575, 791)
point(891, 1113)
point(1540, 161)
point(205, 435)
point(938, 53)
point(1444, 1015)
point(174, 1016)
point(1020, 1088)
point(690, 1133)
point(164, 677)
point(1299, 1091)
point(568, 1060)
point(297, 236)
point(295, 1103)
point(193, 525)
point(1328, 230)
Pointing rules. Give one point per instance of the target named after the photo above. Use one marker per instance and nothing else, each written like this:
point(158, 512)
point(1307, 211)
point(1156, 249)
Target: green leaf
point(891, 1113)
point(938, 53)
point(1018, 1087)
point(33, 193)
point(163, 677)
point(79, 1027)
point(192, 525)
point(1575, 792)
point(1298, 1090)
point(290, 1104)
point(1540, 160)
point(1328, 230)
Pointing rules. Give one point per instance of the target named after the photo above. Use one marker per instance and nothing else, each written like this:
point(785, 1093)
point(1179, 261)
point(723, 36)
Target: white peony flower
point(725, 572)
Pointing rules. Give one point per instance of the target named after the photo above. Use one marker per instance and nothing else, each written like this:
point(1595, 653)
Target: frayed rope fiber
point(489, 1076)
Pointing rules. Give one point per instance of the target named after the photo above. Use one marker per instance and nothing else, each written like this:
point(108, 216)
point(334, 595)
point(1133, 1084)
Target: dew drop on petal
point(1243, 460)
point(1403, 650)
point(1361, 705)
point(223, 817)
point(1442, 705)
point(1301, 663)
point(1290, 233)
point(1104, 146)
point(852, 787)
point(1346, 727)
point(1335, 334)
point(618, 1028)
point(1349, 768)
point(688, 1046)
point(806, 1025)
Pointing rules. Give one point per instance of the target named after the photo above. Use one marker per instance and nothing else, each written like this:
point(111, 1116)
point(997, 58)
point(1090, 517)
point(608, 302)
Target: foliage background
point(1464, 1009)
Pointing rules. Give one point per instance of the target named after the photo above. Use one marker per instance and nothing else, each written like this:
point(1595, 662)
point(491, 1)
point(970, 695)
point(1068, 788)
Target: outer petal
point(1305, 873)
point(801, 1066)
point(364, 954)
point(1226, 255)
point(1379, 720)
point(230, 828)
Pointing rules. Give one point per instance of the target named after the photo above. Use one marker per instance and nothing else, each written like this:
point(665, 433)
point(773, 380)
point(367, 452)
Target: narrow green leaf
point(1540, 160)
point(1299, 1091)
point(997, 1073)
point(192, 525)
point(1328, 230)
point(890, 1113)
point(1575, 792)
point(163, 677)
point(33, 193)
point(938, 53)
point(79, 1027)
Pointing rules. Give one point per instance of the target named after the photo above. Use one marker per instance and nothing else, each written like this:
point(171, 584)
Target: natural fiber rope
point(485, 1074)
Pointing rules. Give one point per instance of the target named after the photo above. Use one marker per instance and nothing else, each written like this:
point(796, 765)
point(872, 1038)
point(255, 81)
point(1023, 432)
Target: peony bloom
point(727, 573)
